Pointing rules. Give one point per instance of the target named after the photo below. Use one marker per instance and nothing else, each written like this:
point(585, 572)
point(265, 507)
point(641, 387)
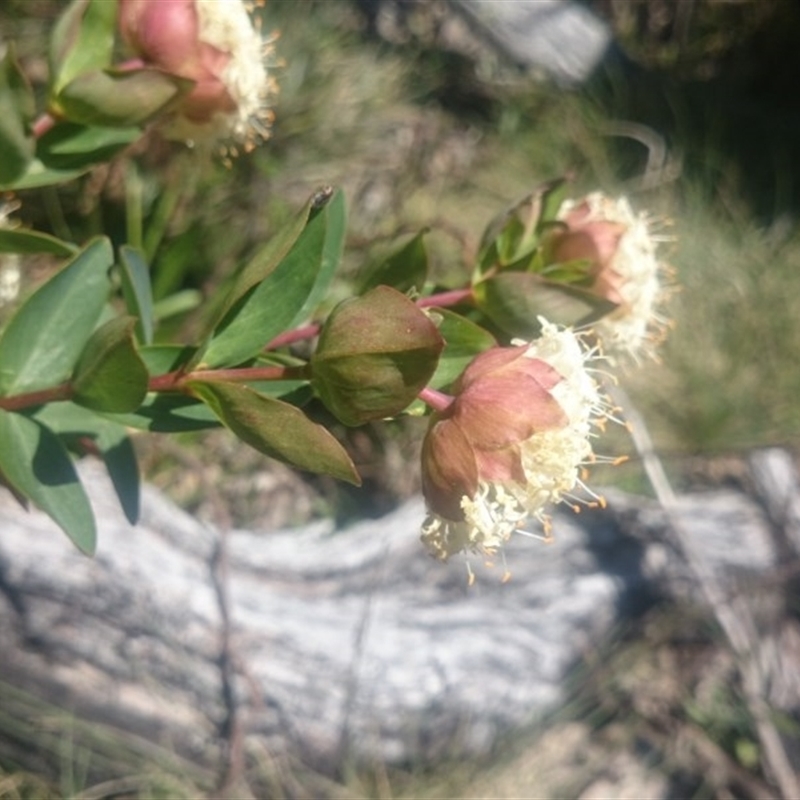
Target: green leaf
point(375, 354)
point(111, 441)
point(277, 429)
point(37, 175)
point(269, 257)
point(168, 413)
point(25, 241)
point(296, 391)
point(113, 98)
point(137, 291)
point(463, 341)
point(17, 145)
point(82, 40)
point(177, 303)
point(43, 340)
point(553, 195)
point(514, 234)
point(162, 358)
point(335, 212)
point(67, 151)
point(515, 300)
point(69, 146)
point(110, 375)
point(404, 270)
point(36, 464)
point(274, 303)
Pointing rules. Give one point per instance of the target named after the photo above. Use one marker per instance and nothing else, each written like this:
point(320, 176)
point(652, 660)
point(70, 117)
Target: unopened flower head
point(626, 270)
point(215, 44)
point(511, 443)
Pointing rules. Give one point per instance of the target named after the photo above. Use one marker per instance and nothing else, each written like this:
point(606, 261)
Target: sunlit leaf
point(269, 256)
point(272, 304)
point(277, 429)
point(43, 340)
point(110, 375)
point(335, 212)
point(82, 40)
point(137, 291)
point(37, 465)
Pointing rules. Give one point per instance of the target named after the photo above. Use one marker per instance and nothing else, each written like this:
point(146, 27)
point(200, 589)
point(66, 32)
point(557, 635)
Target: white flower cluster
point(227, 26)
point(634, 326)
point(550, 459)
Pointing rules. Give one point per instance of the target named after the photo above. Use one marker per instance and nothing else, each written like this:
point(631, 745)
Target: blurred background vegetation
point(424, 125)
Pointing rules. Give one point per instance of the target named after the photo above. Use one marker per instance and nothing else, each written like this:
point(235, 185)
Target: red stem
point(445, 299)
point(441, 300)
point(29, 399)
point(438, 401)
point(42, 125)
point(297, 335)
point(170, 382)
point(176, 381)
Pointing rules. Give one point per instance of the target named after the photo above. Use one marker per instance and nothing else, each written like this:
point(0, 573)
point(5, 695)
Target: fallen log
point(321, 643)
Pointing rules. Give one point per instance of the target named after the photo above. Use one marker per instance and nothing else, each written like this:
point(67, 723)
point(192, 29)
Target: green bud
point(375, 354)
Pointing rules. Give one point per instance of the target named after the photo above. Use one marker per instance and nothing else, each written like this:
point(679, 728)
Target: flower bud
point(214, 44)
point(375, 354)
point(510, 443)
point(623, 266)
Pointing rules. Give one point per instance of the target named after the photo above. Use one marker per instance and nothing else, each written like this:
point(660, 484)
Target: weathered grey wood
point(334, 642)
point(561, 38)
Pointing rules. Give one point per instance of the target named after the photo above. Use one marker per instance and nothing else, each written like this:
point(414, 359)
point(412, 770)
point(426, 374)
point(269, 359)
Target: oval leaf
point(69, 147)
point(43, 340)
point(276, 429)
point(110, 375)
point(36, 464)
point(113, 98)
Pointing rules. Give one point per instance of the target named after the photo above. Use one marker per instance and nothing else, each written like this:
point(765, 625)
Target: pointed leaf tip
point(277, 429)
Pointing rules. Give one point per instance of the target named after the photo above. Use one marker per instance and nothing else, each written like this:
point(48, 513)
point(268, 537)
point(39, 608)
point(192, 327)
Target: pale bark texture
point(325, 644)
